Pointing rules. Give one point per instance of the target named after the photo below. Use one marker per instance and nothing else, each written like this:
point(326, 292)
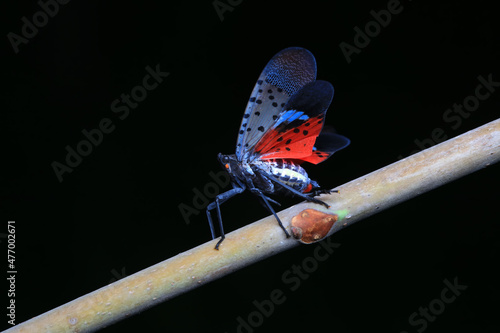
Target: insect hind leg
point(307, 197)
point(319, 191)
point(264, 199)
point(220, 199)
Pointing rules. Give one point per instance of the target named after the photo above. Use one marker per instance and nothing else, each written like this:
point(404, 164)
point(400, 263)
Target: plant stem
point(355, 201)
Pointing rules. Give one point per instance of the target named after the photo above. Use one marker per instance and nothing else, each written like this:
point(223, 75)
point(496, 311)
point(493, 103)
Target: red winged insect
point(281, 128)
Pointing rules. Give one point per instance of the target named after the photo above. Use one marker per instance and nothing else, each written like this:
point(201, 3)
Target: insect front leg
point(219, 199)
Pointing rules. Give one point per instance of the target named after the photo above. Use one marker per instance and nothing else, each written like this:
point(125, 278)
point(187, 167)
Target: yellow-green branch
point(355, 201)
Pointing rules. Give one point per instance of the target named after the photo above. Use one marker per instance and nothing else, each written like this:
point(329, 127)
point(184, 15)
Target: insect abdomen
point(290, 174)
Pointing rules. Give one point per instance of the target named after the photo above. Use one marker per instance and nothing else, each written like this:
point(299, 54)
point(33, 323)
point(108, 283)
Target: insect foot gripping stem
point(221, 198)
point(315, 193)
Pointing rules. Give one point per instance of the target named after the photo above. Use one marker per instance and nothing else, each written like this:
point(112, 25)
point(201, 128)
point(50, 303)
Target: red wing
point(294, 132)
point(304, 143)
point(294, 143)
point(317, 156)
point(327, 143)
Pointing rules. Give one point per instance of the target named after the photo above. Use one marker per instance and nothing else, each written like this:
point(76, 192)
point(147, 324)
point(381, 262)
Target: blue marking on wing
point(289, 116)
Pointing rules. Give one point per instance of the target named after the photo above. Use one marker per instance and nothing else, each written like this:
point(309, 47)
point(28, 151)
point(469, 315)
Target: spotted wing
point(326, 144)
point(285, 74)
point(296, 133)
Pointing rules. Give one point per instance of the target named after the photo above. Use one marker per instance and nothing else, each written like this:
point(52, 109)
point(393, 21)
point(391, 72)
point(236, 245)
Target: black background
point(117, 212)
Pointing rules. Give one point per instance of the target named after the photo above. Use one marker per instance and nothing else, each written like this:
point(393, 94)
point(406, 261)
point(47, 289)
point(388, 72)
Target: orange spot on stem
point(311, 225)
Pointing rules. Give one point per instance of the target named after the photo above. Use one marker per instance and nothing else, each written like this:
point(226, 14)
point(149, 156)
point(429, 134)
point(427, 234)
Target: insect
point(281, 128)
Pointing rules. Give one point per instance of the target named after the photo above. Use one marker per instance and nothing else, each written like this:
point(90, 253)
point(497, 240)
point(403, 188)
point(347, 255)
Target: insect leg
point(210, 223)
point(219, 199)
point(297, 193)
point(269, 199)
point(264, 198)
point(317, 192)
